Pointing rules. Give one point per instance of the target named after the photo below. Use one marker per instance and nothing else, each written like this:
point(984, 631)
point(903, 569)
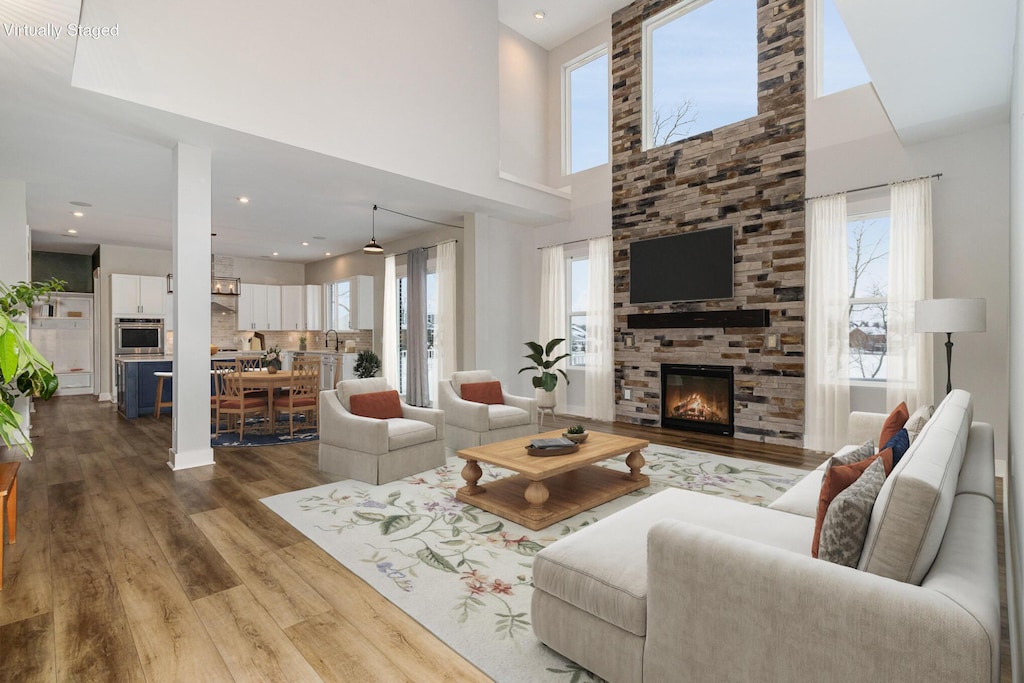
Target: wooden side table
point(160, 403)
point(8, 504)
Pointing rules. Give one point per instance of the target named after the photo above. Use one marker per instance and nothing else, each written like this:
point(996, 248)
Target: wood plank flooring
point(127, 571)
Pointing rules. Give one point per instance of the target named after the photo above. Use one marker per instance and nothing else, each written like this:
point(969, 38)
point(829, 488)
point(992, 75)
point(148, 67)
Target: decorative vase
point(576, 438)
point(302, 347)
point(545, 399)
point(272, 369)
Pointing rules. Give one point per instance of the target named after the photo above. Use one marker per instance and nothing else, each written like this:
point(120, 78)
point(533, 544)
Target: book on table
point(544, 444)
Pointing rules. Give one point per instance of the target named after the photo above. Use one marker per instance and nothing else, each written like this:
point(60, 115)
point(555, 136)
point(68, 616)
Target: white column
point(191, 222)
point(16, 256)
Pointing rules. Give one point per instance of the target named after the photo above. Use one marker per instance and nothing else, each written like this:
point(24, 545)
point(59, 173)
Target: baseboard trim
point(105, 397)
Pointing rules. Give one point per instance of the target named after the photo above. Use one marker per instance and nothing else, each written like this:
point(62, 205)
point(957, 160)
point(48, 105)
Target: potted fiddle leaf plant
point(23, 371)
point(544, 365)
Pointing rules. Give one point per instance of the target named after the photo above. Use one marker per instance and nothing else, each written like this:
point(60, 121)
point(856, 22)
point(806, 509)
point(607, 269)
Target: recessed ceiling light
point(243, 200)
point(274, 254)
point(327, 253)
point(539, 14)
point(305, 244)
point(85, 204)
point(77, 214)
point(72, 231)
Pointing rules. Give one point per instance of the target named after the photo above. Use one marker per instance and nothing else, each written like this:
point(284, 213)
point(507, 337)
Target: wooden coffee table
point(552, 488)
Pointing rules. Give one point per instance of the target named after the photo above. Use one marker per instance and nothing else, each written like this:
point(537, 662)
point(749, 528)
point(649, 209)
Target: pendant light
point(372, 247)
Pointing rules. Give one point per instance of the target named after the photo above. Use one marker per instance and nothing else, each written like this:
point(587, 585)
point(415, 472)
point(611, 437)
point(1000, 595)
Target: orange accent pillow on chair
point(483, 392)
point(381, 405)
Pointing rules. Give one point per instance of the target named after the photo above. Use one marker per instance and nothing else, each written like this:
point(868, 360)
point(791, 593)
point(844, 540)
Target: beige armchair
point(469, 423)
point(377, 450)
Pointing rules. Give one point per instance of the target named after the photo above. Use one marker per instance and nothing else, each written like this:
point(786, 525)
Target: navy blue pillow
point(899, 443)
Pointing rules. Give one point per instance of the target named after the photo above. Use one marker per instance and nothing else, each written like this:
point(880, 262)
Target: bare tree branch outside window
point(669, 124)
point(868, 320)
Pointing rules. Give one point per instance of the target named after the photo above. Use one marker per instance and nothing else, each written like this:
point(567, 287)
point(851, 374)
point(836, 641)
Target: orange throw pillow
point(894, 423)
point(483, 392)
point(378, 404)
point(837, 478)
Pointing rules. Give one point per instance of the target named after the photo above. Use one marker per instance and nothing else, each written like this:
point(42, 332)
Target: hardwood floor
point(127, 571)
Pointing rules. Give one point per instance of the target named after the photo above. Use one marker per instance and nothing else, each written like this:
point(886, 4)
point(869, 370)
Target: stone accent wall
point(748, 175)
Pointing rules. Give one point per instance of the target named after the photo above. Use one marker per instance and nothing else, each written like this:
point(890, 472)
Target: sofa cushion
point(918, 419)
point(894, 423)
point(912, 509)
point(602, 568)
point(349, 387)
point(802, 498)
point(838, 477)
point(403, 433)
point(483, 392)
point(469, 377)
point(848, 457)
point(846, 520)
point(898, 444)
point(381, 405)
point(501, 416)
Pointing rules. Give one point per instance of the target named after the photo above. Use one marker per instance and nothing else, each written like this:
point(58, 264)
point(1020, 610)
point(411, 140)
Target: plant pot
point(545, 399)
point(576, 438)
point(302, 347)
point(271, 370)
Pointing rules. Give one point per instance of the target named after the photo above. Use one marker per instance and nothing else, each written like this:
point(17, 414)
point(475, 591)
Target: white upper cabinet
point(292, 308)
point(135, 295)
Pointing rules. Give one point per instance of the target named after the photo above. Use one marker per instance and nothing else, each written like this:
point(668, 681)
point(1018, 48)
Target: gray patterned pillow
point(865, 450)
point(846, 520)
point(917, 421)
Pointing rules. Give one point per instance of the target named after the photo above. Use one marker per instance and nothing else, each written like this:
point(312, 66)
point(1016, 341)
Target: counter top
point(144, 359)
point(322, 352)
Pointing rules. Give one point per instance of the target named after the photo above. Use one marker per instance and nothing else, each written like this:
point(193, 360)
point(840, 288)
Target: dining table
point(262, 379)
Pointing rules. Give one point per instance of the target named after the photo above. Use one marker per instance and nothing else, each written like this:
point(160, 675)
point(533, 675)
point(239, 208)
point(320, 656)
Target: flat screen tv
point(691, 266)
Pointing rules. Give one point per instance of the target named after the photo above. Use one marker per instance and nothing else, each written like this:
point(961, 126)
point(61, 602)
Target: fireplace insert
point(697, 398)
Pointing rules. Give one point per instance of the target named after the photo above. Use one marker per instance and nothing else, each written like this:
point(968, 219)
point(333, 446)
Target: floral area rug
point(466, 574)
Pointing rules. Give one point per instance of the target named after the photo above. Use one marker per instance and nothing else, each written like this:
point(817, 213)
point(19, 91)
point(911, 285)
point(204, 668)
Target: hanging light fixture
point(373, 247)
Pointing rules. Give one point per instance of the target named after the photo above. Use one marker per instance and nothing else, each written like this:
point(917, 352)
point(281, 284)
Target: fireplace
point(697, 398)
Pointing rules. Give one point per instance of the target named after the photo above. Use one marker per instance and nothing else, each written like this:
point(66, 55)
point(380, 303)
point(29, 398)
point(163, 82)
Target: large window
point(868, 244)
point(585, 111)
point(578, 271)
point(840, 66)
point(403, 330)
point(339, 300)
point(700, 68)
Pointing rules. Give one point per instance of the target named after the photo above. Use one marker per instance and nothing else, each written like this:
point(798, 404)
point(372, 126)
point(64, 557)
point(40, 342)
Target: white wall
point(522, 107)
point(1013, 489)
point(15, 263)
point(407, 87)
point(970, 215)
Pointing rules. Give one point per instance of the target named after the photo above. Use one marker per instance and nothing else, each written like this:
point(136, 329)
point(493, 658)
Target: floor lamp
point(949, 316)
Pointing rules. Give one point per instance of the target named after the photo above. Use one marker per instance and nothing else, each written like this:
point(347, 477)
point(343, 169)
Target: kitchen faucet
point(327, 339)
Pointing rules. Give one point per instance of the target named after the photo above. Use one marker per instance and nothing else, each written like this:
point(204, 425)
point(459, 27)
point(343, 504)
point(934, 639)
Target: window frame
point(570, 313)
point(816, 52)
point(567, 69)
point(330, 305)
point(402, 273)
point(861, 300)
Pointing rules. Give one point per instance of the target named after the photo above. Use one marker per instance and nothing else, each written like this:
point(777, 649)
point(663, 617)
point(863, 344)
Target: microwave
point(139, 336)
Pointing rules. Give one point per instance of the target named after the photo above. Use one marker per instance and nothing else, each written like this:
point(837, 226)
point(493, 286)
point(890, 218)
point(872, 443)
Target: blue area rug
point(255, 434)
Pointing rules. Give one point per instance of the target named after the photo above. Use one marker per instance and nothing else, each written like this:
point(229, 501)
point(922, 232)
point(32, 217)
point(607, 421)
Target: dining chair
point(233, 400)
point(304, 394)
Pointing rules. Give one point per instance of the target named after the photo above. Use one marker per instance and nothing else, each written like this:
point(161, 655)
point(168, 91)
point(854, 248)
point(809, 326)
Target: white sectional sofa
point(688, 587)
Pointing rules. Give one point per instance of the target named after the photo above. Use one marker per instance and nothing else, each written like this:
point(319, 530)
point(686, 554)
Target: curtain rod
point(565, 244)
point(875, 187)
point(425, 220)
point(432, 246)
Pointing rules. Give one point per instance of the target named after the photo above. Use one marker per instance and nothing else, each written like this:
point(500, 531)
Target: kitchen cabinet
point(132, 295)
point(292, 308)
point(259, 307)
point(314, 307)
point(62, 332)
point(329, 368)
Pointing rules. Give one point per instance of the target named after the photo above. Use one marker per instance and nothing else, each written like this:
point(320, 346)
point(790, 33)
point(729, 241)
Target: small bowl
point(213, 350)
point(576, 438)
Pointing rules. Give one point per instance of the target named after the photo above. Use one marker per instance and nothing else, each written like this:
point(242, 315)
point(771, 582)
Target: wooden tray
point(544, 452)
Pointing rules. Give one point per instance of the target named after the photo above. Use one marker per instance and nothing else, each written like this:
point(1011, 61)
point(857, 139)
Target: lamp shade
point(949, 315)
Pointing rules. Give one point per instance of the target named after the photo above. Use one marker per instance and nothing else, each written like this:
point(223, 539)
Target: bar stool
point(8, 504)
point(160, 403)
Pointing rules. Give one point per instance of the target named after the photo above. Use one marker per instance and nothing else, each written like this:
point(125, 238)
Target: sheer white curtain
point(599, 389)
point(389, 333)
point(827, 389)
point(909, 355)
point(444, 324)
point(552, 308)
